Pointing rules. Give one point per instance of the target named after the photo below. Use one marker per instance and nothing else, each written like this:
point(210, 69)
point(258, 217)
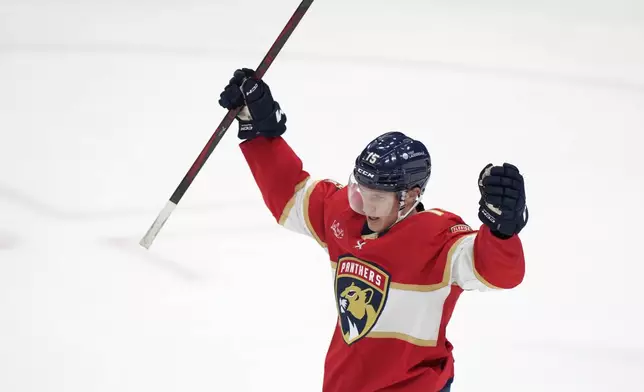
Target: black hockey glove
point(502, 206)
point(260, 114)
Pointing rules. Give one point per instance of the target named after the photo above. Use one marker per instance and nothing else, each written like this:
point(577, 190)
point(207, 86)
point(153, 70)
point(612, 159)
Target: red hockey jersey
point(395, 293)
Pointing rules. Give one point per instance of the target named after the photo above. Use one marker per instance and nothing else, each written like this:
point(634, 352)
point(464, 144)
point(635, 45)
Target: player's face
point(380, 207)
point(370, 202)
point(378, 224)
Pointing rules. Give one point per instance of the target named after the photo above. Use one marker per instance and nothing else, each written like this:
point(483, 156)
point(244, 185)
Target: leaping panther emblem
point(361, 291)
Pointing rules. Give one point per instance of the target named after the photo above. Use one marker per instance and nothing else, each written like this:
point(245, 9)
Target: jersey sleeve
point(479, 260)
point(295, 200)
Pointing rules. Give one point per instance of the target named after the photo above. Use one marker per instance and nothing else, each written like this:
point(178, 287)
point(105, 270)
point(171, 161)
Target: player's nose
point(369, 209)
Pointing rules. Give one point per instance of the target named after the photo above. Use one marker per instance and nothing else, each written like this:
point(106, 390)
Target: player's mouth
point(373, 218)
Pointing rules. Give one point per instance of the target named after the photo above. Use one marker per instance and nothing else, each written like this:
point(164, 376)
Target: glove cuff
point(272, 126)
point(500, 226)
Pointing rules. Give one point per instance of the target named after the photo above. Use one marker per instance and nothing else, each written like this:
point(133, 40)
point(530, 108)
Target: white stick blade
point(149, 237)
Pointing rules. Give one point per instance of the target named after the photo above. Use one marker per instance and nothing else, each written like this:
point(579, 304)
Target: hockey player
point(398, 268)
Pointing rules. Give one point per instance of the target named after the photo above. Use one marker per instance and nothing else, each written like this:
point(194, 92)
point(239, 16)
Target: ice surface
point(104, 106)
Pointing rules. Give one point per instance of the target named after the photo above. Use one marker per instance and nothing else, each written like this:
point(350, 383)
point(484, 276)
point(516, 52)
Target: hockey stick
point(163, 216)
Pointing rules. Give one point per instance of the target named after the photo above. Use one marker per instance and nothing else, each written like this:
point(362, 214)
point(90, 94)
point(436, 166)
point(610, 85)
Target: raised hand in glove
point(260, 114)
point(502, 206)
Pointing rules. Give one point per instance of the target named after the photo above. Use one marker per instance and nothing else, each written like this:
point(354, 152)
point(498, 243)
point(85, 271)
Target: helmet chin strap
point(402, 195)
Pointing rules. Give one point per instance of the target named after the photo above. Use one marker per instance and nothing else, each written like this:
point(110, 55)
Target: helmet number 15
point(372, 157)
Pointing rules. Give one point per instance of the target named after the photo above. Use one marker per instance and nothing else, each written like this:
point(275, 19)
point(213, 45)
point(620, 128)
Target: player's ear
point(412, 195)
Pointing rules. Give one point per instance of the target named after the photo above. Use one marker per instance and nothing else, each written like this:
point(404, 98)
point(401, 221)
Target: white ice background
point(104, 105)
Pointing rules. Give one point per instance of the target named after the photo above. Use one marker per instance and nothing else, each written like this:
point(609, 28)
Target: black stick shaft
point(230, 116)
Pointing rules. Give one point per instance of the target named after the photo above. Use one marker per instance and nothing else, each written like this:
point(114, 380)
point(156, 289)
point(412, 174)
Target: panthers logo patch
point(361, 291)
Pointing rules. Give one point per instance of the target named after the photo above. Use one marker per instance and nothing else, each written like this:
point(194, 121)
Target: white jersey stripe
point(295, 216)
point(414, 316)
point(309, 190)
point(463, 266)
point(291, 202)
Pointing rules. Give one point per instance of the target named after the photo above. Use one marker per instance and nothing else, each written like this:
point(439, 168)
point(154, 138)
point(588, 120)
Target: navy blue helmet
point(393, 162)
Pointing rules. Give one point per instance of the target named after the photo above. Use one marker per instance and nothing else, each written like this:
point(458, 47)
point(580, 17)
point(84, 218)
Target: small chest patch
point(361, 291)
